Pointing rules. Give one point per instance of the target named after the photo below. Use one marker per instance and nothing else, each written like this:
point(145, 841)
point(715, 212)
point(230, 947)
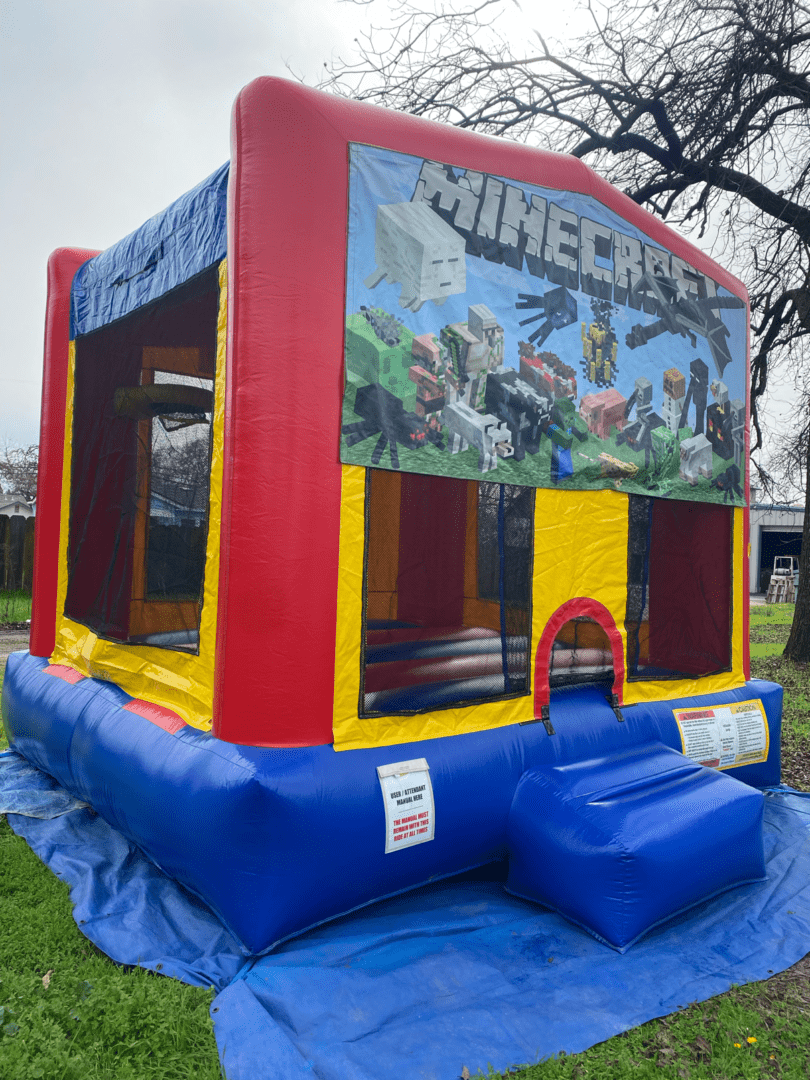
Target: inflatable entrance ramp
point(620, 844)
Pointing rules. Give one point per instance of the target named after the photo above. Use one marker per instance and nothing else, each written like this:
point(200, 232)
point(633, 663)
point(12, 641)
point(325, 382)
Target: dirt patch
point(13, 637)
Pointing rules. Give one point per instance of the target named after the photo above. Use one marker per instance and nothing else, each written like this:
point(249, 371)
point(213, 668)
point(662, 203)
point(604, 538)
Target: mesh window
point(517, 543)
point(447, 592)
point(141, 470)
point(679, 576)
point(178, 496)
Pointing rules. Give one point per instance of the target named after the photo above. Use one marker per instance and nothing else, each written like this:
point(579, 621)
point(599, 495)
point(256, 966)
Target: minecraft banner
point(532, 335)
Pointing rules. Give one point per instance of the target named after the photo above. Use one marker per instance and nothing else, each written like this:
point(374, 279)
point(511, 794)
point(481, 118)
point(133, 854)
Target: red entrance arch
point(580, 605)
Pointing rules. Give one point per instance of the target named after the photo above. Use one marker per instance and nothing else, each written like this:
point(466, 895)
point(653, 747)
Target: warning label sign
point(408, 797)
point(723, 736)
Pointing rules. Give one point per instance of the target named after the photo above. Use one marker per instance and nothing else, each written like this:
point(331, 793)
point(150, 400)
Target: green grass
point(767, 648)
point(14, 606)
point(704, 1041)
point(771, 615)
point(96, 1021)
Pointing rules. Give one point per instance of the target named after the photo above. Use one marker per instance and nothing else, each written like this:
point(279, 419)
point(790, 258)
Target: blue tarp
point(449, 975)
point(25, 789)
point(170, 248)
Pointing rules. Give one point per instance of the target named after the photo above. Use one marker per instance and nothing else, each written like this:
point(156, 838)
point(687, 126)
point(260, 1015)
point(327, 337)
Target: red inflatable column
point(62, 267)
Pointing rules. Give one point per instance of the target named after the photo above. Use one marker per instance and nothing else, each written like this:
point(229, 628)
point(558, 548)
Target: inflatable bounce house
point(393, 523)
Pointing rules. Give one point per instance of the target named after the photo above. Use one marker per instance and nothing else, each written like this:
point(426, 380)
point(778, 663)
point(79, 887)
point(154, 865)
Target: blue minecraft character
point(561, 463)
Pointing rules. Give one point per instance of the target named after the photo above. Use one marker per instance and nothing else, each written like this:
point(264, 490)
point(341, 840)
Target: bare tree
point(792, 464)
point(18, 470)
point(181, 467)
point(697, 109)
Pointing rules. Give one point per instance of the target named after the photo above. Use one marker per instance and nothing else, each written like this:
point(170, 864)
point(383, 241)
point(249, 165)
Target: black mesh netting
point(679, 588)
point(447, 592)
point(140, 471)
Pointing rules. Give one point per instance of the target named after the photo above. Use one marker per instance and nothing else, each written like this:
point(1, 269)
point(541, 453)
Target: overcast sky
point(110, 110)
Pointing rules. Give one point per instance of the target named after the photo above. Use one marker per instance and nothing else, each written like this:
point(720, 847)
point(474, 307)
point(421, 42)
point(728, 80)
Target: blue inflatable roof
point(168, 249)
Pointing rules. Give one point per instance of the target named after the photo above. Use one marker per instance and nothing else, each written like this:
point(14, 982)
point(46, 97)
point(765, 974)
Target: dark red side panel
point(690, 587)
point(62, 267)
point(432, 533)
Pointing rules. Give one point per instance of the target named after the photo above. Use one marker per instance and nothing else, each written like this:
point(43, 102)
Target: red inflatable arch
point(579, 605)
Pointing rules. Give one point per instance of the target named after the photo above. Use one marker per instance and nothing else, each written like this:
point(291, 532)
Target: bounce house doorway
point(580, 644)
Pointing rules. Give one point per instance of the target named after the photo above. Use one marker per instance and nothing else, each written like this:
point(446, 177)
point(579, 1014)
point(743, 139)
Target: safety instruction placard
point(408, 797)
point(723, 736)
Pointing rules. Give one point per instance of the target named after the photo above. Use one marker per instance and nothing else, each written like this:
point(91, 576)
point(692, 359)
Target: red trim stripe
point(157, 714)
point(62, 671)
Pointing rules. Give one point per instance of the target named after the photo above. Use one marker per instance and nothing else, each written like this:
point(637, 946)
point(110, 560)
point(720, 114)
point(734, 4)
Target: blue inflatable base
point(279, 841)
point(450, 975)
